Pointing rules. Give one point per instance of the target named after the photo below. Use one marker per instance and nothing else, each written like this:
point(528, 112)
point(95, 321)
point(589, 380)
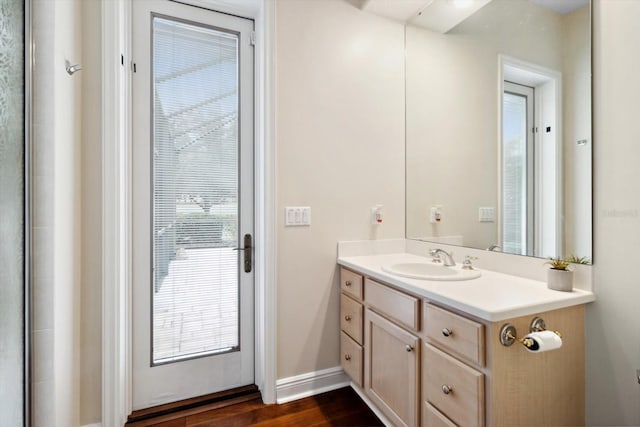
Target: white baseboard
point(309, 384)
point(92, 425)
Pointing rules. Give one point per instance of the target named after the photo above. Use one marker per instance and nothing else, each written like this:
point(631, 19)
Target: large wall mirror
point(498, 128)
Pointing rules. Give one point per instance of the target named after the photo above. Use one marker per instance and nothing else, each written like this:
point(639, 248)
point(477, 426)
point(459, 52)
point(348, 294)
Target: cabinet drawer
point(461, 336)
point(351, 358)
point(395, 304)
point(453, 388)
point(351, 317)
point(351, 283)
point(431, 417)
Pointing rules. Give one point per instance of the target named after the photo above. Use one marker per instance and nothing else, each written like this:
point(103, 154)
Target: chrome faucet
point(442, 255)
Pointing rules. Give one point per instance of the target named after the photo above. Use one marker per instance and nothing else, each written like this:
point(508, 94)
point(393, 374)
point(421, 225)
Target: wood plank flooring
point(341, 407)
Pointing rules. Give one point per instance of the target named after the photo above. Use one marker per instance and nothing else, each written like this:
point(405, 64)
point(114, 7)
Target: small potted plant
point(559, 277)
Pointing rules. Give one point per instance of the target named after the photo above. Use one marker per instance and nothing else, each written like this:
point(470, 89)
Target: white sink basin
point(430, 271)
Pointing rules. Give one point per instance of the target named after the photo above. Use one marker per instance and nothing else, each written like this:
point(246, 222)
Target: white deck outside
point(195, 310)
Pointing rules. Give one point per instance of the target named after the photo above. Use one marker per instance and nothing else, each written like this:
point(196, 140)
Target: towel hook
point(72, 69)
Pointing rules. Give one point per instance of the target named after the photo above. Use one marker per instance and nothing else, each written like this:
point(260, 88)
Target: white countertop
point(492, 297)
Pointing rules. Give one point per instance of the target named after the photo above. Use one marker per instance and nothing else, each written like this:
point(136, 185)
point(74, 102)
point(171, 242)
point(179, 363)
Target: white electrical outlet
point(295, 216)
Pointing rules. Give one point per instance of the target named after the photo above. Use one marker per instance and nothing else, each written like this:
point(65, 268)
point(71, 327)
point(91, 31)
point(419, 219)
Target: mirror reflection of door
point(531, 175)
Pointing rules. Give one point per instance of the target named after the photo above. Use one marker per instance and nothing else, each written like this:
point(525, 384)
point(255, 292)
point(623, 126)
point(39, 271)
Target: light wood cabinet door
point(453, 388)
point(391, 369)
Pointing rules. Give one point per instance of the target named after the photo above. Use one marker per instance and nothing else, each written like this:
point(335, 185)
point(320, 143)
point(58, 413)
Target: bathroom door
point(193, 290)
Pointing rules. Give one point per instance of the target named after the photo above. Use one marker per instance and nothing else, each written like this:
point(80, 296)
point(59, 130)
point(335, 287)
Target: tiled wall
point(43, 219)
point(56, 205)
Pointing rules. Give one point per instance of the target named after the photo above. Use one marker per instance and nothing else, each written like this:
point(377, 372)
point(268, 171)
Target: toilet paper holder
point(509, 335)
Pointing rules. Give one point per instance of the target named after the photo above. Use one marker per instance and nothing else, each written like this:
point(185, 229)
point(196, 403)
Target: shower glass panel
point(12, 212)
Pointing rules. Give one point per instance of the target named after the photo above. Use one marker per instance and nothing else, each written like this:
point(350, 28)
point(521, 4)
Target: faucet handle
point(467, 264)
point(434, 255)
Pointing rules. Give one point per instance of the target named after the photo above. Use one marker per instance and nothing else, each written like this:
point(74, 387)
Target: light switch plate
point(295, 216)
point(487, 214)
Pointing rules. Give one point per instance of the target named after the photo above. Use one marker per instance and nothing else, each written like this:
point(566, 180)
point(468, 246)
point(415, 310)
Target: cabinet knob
point(409, 348)
point(447, 332)
point(347, 283)
point(347, 318)
point(347, 357)
point(446, 389)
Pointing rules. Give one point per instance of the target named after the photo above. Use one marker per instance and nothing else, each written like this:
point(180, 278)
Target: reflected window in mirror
point(517, 169)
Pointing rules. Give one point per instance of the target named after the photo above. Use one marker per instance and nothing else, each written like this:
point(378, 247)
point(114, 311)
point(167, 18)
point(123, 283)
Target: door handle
point(248, 250)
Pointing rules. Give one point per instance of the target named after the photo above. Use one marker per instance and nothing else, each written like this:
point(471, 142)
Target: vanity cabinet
point(380, 347)
point(422, 363)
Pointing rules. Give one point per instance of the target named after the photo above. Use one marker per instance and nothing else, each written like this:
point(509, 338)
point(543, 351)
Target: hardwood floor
point(341, 407)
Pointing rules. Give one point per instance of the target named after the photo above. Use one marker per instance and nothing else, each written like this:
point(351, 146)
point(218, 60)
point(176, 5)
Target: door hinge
point(252, 38)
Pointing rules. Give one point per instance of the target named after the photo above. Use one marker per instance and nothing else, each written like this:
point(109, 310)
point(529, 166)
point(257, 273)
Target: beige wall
point(340, 150)
point(66, 213)
point(576, 85)
point(613, 323)
point(91, 187)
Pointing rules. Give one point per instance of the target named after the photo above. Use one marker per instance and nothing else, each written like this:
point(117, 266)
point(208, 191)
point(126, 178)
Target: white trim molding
point(116, 268)
point(265, 215)
point(92, 425)
point(310, 384)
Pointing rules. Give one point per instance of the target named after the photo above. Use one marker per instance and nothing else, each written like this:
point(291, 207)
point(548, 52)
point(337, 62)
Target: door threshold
point(195, 405)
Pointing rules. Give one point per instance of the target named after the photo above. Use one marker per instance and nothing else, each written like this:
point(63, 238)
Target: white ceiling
point(399, 10)
point(443, 15)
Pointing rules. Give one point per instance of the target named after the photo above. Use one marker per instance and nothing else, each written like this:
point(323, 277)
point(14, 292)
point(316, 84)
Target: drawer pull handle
point(347, 318)
point(447, 332)
point(446, 389)
point(409, 348)
point(347, 283)
point(347, 357)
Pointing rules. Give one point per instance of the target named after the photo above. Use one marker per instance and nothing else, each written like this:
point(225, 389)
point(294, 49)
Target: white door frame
point(116, 201)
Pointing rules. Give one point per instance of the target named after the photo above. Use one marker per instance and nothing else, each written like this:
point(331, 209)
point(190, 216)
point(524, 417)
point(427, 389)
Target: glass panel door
point(12, 213)
point(192, 202)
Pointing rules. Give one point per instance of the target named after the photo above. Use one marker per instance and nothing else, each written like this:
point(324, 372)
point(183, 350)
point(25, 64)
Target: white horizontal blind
point(514, 175)
point(195, 191)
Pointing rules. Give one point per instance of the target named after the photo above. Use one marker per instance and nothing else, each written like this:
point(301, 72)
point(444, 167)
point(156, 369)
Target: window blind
point(195, 190)
point(514, 181)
